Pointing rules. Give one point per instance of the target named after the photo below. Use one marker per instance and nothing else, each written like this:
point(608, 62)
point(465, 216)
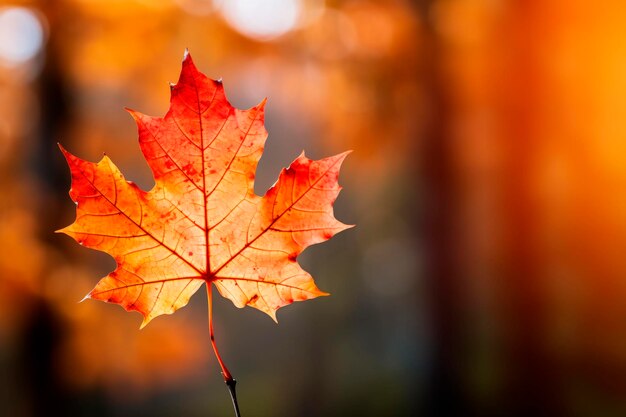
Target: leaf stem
point(228, 377)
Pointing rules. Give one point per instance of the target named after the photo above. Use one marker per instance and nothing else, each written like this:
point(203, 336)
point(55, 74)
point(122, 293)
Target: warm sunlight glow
point(261, 20)
point(196, 7)
point(21, 35)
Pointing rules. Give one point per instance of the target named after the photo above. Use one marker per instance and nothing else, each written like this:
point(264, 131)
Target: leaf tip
point(346, 227)
point(66, 230)
point(64, 151)
point(137, 116)
point(344, 155)
point(273, 316)
point(187, 60)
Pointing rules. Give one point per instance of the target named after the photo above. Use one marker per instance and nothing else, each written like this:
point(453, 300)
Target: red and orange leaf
point(202, 221)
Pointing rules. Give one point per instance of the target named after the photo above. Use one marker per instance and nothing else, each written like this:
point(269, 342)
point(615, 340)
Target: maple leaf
point(202, 223)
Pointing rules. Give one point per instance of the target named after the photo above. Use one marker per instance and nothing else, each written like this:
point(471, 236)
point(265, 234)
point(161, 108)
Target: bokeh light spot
point(21, 35)
point(262, 20)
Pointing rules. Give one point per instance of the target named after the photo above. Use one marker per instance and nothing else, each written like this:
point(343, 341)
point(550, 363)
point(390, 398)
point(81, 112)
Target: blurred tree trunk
point(484, 70)
point(531, 386)
point(445, 391)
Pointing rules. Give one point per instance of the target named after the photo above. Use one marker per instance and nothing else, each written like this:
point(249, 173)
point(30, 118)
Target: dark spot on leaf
point(292, 257)
point(190, 253)
point(253, 299)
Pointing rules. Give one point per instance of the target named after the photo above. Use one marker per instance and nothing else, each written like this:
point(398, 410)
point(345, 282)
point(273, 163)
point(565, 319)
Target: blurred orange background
point(487, 272)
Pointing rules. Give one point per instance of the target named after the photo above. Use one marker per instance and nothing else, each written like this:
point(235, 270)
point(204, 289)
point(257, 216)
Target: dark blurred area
point(487, 272)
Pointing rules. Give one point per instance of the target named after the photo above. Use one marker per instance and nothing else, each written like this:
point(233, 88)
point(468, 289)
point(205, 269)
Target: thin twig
point(228, 378)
